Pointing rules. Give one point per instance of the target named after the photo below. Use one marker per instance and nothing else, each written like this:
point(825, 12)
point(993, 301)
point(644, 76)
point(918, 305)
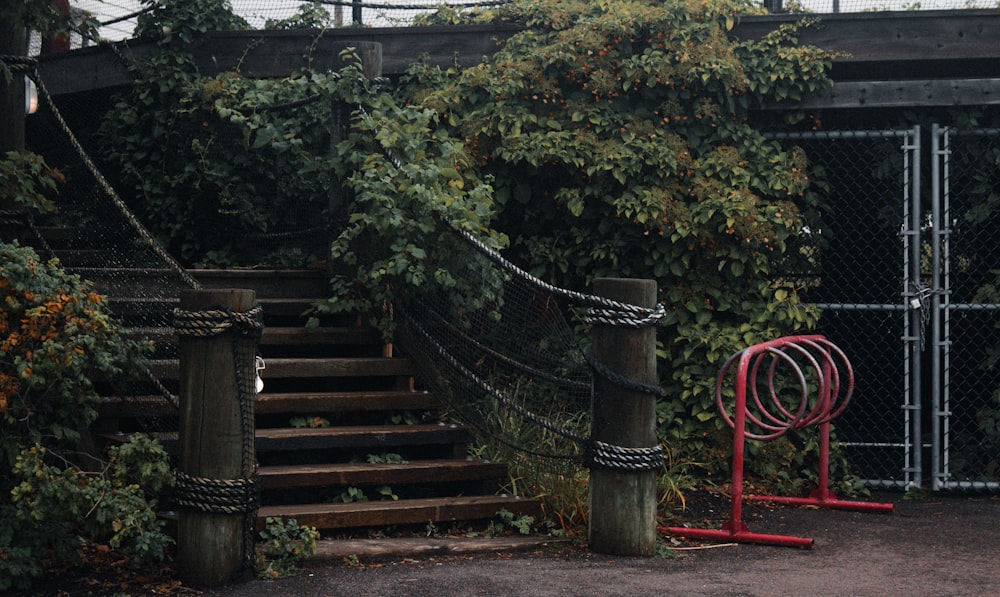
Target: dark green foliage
point(56, 337)
point(618, 139)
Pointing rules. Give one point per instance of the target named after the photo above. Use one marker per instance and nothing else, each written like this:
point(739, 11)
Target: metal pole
point(916, 315)
point(937, 238)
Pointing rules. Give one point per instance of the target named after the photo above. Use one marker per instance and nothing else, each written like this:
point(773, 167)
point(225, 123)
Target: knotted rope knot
point(623, 458)
point(218, 496)
point(215, 322)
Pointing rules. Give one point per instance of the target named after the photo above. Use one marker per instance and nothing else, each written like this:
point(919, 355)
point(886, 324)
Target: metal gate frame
point(943, 310)
point(913, 307)
point(930, 364)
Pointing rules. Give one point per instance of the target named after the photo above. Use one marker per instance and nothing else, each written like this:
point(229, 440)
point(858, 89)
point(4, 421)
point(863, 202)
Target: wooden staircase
point(341, 415)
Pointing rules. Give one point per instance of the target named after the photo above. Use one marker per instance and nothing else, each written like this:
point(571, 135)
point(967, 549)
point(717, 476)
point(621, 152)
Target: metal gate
point(909, 285)
point(965, 316)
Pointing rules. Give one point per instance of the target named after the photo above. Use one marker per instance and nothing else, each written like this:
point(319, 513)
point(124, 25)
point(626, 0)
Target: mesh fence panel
point(969, 345)
point(96, 236)
point(859, 282)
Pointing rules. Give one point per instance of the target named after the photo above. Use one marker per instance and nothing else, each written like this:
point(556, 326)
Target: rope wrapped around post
point(622, 315)
point(217, 475)
point(214, 322)
point(218, 496)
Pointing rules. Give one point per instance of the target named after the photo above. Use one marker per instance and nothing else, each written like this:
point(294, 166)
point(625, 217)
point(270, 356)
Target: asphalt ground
point(935, 546)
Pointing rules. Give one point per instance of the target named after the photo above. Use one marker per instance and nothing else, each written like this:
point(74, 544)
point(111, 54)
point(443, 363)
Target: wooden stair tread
point(414, 511)
point(346, 436)
point(285, 335)
point(364, 473)
point(359, 436)
point(320, 335)
point(293, 402)
point(311, 367)
point(304, 402)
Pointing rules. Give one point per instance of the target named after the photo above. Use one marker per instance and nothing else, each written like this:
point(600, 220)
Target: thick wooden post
point(210, 545)
point(623, 502)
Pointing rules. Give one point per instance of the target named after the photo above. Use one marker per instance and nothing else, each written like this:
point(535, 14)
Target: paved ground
point(939, 546)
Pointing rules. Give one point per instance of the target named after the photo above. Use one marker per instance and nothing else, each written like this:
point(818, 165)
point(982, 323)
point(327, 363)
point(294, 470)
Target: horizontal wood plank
point(293, 402)
point(383, 513)
point(307, 368)
point(359, 436)
point(363, 473)
point(310, 402)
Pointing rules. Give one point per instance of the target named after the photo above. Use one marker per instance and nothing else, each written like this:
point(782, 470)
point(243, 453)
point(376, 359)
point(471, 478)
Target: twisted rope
point(621, 458)
point(204, 324)
point(217, 496)
point(19, 64)
point(620, 380)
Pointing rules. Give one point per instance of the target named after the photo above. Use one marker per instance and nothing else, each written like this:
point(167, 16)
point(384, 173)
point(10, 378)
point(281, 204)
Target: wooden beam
point(888, 37)
point(253, 53)
point(894, 94)
point(962, 45)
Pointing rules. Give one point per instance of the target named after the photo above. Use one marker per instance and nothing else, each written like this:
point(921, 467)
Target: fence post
point(215, 489)
point(623, 502)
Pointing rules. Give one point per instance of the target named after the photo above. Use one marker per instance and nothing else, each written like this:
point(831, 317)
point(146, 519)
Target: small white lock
point(259, 382)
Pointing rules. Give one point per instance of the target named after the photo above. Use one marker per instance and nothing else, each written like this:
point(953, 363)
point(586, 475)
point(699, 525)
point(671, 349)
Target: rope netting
point(95, 235)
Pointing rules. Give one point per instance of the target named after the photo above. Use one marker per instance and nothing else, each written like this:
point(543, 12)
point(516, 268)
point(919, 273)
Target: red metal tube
point(830, 400)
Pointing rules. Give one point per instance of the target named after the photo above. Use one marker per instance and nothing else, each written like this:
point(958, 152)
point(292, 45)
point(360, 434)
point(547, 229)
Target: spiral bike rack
point(775, 414)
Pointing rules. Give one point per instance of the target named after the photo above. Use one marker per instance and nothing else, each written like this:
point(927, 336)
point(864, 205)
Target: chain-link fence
point(118, 17)
point(909, 284)
point(861, 279)
point(965, 268)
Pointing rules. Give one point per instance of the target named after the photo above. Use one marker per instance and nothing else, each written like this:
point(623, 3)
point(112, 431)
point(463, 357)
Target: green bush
point(618, 139)
point(56, 337)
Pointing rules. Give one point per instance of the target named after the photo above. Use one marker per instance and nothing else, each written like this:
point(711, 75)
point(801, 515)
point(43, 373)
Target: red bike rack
point(763, 419)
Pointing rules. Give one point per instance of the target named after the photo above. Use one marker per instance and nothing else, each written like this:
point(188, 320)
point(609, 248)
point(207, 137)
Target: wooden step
point(321, 402)
point(360, 474)
point(291, 403)
point(168, 302)
point(285, 336)
point(360, 436)
point(273, 283)
point(265, 282)
point(385, 513)
point(323, 438)
point(304, 368)
point(128, 406)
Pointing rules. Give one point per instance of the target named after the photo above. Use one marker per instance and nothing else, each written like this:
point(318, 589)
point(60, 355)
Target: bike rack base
point(742, 536)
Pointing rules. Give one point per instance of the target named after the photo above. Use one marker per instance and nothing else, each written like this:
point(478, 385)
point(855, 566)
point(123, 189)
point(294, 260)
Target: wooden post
point(623, 502)
point(210, 545)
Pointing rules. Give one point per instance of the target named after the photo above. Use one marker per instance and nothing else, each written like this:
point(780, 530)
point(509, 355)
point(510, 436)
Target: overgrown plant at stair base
point(56, 338)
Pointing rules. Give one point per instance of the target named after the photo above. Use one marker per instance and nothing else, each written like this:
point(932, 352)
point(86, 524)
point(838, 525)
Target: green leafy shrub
point(619, 142)
point(56, 337)
point(285, 545)
point(26, 180)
